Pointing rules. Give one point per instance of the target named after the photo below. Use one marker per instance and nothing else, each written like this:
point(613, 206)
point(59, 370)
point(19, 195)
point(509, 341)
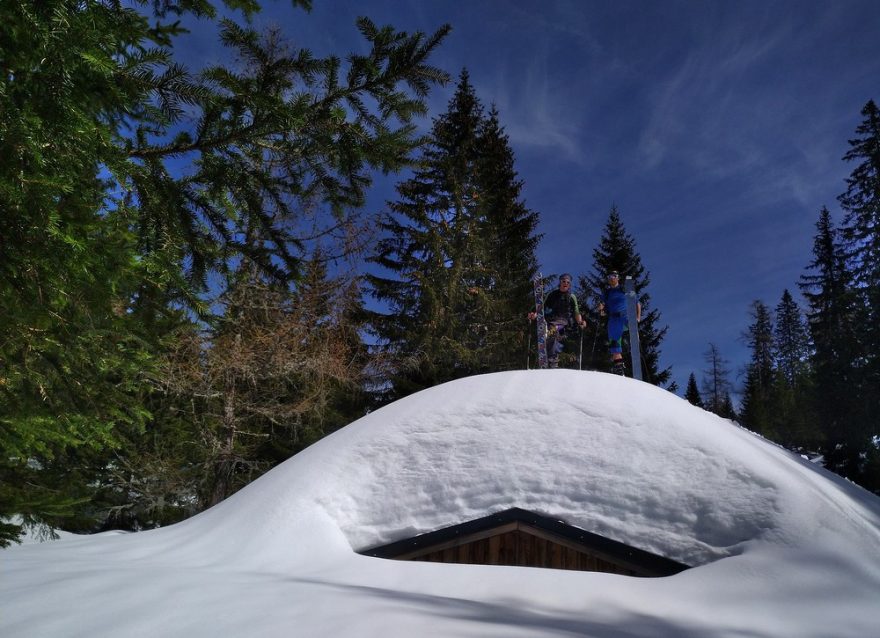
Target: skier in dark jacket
point(613, 305)
point(561, 312)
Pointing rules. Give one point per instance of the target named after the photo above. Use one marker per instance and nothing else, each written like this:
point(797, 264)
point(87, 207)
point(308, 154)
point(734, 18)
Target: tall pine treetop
point(692, 393)
point(791, 340)
point(457, 254)
point(861, 201)
point(617, 252)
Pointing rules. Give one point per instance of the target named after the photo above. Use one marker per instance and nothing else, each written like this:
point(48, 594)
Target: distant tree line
point(813, 380)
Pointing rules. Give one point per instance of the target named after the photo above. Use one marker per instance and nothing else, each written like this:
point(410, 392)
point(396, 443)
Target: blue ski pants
point(616, 325)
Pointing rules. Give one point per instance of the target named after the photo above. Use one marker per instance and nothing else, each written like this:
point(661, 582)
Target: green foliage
point(832, 320)
point(280, 134)
point(507, 262)
point(125, 182)
point(777, 397)
point(861, 203)
point(855, 361)
point(692, 393)
point(791, 340)
point(861, 231)
point(793, 388)
point(756, 405)
point(727, 411)
point(72, 356)
point(459, 247)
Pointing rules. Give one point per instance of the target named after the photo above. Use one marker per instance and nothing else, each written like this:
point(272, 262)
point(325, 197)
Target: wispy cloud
point(700, 111)
point(534, 82)
point(534, 115)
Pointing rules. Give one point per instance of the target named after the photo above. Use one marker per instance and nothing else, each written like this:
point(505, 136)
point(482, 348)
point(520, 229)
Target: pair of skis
point(629, 287)
point(541, 321)
point(631, 301)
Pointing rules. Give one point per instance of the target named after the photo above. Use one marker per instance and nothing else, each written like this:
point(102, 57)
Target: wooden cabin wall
point(519, 548)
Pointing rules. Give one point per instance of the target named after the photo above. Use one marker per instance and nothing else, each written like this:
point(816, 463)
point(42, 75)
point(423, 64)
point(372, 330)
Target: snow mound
point(610, 455)
point(616, 457)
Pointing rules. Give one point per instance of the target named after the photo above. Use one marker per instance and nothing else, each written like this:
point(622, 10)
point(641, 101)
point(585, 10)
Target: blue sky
point(716, 128)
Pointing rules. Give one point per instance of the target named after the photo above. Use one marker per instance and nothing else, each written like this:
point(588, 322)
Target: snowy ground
point(781, 547)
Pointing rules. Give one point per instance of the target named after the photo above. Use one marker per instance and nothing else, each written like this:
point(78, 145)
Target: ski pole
point(529, 347)
point(581, 350)
point(595, 339)
point(647, 372)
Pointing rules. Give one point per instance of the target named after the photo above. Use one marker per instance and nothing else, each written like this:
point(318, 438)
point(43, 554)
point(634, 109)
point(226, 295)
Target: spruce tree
point(728, 411)
point(791, 340)
point(793, 418)
point(428, 247)
point(692, 393)
point(617, 251)
point(509, 240)
point(757, 395)
point(459, 253)
point(832, 320)
point(72, 357)
point(861, 205)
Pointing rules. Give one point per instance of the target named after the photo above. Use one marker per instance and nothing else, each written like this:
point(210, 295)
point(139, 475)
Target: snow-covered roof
point(606, 454)
point(628, 461)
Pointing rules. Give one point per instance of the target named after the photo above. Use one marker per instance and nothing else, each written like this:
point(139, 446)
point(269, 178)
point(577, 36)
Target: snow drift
point(780, 547)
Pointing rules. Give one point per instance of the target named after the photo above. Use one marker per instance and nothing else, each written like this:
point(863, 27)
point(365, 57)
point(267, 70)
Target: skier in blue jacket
point(613, 305)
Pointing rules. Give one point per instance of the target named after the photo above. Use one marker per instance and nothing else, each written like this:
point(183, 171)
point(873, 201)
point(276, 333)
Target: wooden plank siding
point(522, 548)
point(518, 537)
